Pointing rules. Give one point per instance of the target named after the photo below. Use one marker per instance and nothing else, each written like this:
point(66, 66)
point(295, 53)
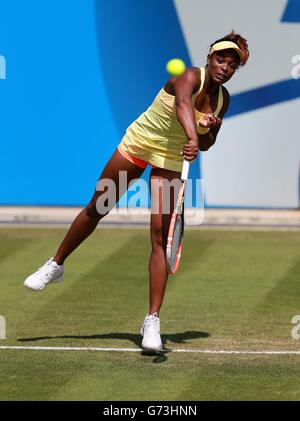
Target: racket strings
point(176, 243)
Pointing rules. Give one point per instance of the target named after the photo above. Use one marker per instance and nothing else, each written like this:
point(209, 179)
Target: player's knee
point(157, 237)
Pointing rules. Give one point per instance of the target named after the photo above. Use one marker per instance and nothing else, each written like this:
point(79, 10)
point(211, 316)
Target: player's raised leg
point(109, 184)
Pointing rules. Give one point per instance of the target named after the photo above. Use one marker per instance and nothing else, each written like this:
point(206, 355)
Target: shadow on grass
point(178, 338)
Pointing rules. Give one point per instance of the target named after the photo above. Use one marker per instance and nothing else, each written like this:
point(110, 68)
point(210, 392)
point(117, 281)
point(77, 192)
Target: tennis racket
point(176, 228)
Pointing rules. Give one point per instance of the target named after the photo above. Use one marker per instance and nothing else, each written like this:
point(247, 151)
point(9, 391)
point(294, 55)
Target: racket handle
point(185, 170)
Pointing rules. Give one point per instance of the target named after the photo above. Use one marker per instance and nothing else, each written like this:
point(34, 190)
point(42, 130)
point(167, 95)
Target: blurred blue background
point(75, 74)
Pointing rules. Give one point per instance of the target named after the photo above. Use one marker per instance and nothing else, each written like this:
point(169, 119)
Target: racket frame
point(178, 210)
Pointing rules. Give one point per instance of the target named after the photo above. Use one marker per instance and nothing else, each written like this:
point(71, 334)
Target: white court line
point(198, 351)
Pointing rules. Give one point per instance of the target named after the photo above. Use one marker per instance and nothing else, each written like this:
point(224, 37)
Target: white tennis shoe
point(150, 331)
point(49, 273)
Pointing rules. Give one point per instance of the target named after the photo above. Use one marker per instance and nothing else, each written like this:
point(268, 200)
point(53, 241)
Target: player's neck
point(209, 87)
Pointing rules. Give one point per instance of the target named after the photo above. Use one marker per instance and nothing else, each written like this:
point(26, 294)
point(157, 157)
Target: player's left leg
point(164, 187)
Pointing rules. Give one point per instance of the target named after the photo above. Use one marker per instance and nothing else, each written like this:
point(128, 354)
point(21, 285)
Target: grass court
point(235, 291)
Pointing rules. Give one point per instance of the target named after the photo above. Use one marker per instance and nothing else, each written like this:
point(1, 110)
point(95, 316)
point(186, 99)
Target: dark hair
point(240, 42)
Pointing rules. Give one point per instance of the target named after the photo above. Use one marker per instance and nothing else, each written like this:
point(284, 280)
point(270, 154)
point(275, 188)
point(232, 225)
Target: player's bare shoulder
point(191, 75)
point(195, 74)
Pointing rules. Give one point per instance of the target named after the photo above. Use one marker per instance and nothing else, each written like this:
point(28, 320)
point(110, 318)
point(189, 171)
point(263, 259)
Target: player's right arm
point(185, 86)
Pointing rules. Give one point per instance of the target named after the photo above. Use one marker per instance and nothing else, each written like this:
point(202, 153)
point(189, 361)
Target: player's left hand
point(209, 120)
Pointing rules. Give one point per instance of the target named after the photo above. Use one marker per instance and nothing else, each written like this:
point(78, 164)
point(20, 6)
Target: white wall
point(255, 161)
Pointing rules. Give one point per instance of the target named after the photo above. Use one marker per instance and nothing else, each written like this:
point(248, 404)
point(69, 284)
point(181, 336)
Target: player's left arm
point(207, 140)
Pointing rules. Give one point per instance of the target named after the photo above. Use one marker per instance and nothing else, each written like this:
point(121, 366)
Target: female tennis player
point(185, 117)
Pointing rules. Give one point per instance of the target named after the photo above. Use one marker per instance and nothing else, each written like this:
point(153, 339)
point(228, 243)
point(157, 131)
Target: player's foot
point(49, 273)
point(150, 331)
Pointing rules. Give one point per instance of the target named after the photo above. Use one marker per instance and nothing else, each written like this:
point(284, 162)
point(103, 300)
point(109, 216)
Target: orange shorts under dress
point(136, 161)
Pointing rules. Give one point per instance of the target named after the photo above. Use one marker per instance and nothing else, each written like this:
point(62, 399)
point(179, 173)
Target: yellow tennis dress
point(157, 136)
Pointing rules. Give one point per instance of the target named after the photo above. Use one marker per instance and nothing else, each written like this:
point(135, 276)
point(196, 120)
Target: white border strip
point(198, 351)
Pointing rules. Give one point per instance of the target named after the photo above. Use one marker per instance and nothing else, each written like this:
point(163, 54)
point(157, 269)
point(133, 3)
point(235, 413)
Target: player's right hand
point(209, 120)
point(190, 150)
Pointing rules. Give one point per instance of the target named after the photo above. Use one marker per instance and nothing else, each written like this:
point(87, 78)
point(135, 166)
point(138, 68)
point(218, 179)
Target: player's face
point(222, 66)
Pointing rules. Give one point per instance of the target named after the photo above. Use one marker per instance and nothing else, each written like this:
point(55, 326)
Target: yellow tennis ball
point(175, 67)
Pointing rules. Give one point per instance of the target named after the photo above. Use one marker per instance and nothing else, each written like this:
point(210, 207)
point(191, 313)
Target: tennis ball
point(175, 67)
